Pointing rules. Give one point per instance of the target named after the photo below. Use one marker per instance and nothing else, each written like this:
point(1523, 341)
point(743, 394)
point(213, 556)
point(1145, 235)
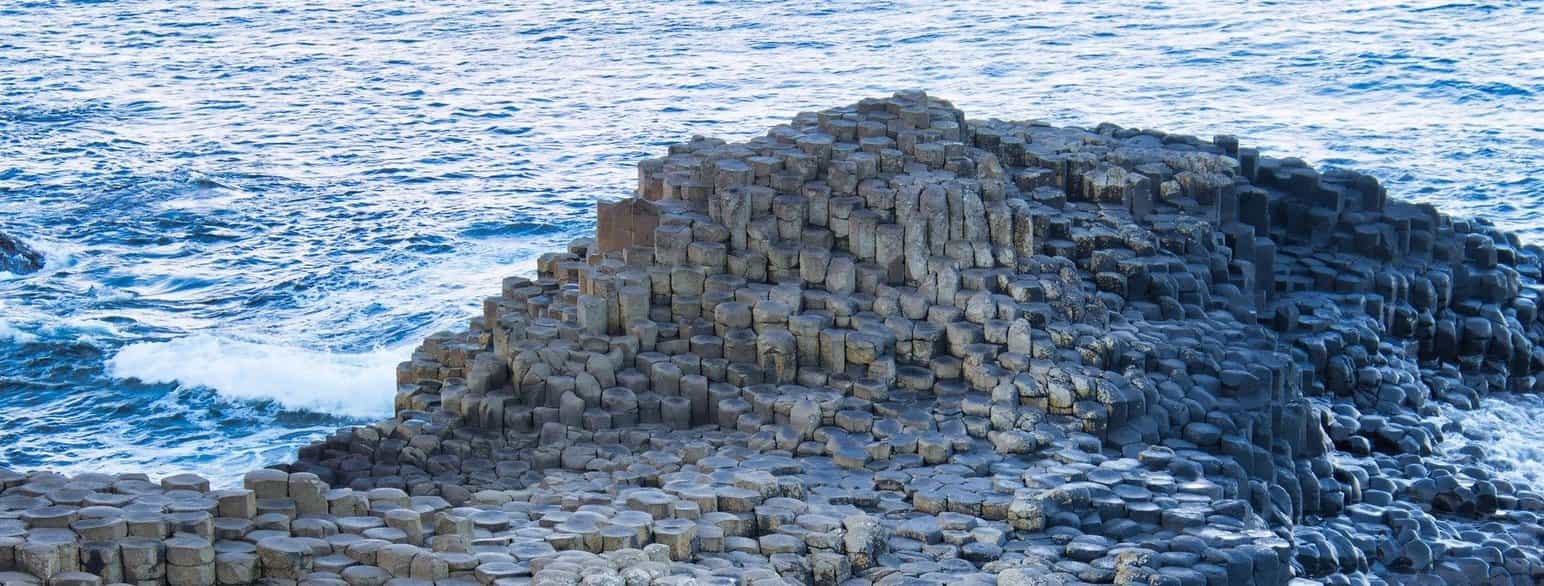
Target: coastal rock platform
point(884, 344)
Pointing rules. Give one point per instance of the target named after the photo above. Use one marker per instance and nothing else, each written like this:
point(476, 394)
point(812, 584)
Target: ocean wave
point(353, 385)
point(10, 333)
point(1506, 427)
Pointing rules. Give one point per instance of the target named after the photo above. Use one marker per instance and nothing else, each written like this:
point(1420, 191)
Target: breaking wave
point(350, 385)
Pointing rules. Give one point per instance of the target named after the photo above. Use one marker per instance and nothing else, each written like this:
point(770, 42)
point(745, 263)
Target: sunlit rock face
point(889, 344)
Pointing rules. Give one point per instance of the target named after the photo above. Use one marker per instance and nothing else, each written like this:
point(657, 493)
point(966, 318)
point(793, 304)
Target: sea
point(252, 210)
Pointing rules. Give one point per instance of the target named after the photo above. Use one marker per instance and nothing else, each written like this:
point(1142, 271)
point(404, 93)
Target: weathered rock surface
point(16, 257)
point(885, 344)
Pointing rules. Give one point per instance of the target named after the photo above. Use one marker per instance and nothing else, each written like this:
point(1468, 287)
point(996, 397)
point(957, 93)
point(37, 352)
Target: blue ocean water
point(252, 210)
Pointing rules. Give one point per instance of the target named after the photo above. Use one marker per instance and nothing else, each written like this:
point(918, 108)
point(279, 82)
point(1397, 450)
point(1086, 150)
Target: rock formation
point(884, 344)
point(16, 257)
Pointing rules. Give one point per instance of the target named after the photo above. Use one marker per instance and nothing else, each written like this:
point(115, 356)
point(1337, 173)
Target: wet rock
point(16, 257)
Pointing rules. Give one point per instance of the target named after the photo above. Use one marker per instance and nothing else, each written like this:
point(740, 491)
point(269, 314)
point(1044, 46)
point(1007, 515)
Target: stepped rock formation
point(16, 257)
point(884, 344)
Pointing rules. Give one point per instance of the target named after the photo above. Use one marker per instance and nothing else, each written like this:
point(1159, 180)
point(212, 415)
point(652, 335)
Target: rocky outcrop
point(885, 344)
point(16, 257)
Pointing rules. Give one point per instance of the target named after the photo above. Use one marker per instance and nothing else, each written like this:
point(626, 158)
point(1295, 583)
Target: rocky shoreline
point(884, 344)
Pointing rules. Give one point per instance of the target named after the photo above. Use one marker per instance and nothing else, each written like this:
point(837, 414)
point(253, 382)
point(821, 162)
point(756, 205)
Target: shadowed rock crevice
point(887, 344)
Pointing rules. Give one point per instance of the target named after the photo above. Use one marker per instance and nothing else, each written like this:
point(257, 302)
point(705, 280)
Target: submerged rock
point(16, 257)
point(884, 344)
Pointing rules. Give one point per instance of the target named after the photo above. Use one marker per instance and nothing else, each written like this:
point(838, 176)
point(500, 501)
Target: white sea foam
point(10, 333)
point(56, 254)
point(1509, 431)
point(354, 385)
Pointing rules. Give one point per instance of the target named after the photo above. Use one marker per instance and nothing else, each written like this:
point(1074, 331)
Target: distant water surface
point(252, 210)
